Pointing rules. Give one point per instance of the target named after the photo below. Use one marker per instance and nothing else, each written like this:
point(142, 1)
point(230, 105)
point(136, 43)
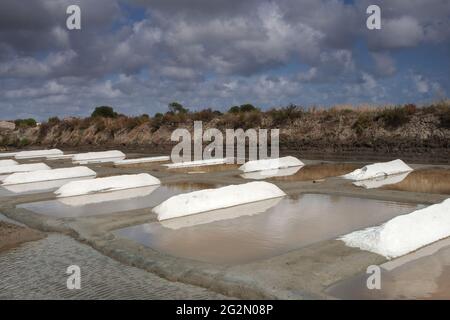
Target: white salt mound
point(48, 175)
point(142, 160)
point(102, 156)
point(265, 174)
point(212, 199)
point(37, 154)
point(271, 164)
point(404, 234)
point(247, 209)
point(198, 163)
point(24, 168)
point(114, 183)
point(7, 154)
point(378, 170)
point(4, 163)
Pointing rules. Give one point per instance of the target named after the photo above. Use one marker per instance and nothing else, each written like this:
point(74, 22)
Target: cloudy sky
point(140, 55)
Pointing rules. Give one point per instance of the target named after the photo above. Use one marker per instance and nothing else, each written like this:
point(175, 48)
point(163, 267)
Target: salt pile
point(265, 174)
point(198, 163)
point(23, 168)
point(212, 199)
point(37, 154)
point(98, 157)
point(7, 154)
point(108, 184)
point(4, 163)
point(247, 209)
point(378, 170)
point(405, 233)
point(271, 164)
point(142, 160)
point(48, 175)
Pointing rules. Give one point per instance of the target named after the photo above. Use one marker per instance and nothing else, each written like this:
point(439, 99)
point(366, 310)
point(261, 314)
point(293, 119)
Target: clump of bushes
point(25, 123)
point(205, 115)
point(282, 116)
point(445, 118)
point(176, 107)
point(395, 117)
point(362, 123)
point(243, 108)
point(104, 112)
point(23, 142)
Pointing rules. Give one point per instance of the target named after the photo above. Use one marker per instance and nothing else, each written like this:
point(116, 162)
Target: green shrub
point(243, 108)
point(362, 123)
point(104, 112)
point(53, 121)
point(24, 142)
point(205, 115)
point(394, 117)
point(234, 109)
point(23, 123)
point(285, 115)
point(176, 107)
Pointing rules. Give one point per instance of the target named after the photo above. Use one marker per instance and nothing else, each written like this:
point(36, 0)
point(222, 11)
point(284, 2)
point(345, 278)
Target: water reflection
point(427, 277)
point(248, 209)
point(110, 202)
point(432, 180)
point(381, 181)
point(287, 225)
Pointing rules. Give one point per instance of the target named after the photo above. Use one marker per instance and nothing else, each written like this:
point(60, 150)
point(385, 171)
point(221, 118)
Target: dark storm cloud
point(206, 53)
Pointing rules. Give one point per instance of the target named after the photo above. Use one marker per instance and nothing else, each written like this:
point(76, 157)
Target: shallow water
point(427, 277)
point(319, 171)
point(111, 202)
point(263, 229)
point(432, 180)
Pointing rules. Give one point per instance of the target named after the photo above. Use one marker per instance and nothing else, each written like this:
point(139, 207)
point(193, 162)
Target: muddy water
point(427, 277)
point(110, 202)
point(433, 180)
point(319, 171)
point(261, 230)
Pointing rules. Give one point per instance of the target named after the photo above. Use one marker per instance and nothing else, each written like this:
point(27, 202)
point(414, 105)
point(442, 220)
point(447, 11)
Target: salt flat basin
point(111, 202)
point(35, 187)
point(254, 234)
point(423, 276)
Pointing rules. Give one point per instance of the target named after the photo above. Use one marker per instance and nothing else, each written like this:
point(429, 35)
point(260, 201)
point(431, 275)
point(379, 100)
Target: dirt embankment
point(12, 235)
point(407, 131)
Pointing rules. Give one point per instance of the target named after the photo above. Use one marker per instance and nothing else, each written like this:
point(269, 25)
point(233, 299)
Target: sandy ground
point(13, 235)
point(37, 270)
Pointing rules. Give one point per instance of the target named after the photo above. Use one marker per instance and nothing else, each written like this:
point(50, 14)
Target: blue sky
point(138, 56)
